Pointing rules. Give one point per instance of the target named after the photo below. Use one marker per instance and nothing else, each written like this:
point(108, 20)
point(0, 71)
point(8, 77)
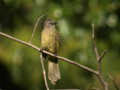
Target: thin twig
point(19, 41)
point(46, 52)
point(104, 84)
point(102, 55)
point(99, 59)
point(44, 72)
point(71, 62)
point(35, 28)
point(94, 42)
point(114, 82)
point(97, 73)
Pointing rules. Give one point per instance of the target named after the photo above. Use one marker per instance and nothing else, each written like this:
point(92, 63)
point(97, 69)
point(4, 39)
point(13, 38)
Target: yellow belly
point(48, 40)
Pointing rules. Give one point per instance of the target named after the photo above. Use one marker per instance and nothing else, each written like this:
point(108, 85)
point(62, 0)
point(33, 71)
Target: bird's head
point(50, 23)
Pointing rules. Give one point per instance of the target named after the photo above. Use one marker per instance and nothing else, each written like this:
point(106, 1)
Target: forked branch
point(46, 52)
point(99, 59)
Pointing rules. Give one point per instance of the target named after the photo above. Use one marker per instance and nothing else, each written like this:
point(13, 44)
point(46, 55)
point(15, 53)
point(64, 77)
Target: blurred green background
point(20, 67)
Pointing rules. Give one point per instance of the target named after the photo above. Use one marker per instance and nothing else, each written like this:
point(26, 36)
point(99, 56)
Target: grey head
point(49, 23)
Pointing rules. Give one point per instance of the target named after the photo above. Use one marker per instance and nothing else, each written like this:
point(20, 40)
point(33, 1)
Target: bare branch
point(99, 59)
point(71, 62)
point(114, 82)
point(44, 72)
point(94, 42)
point(104, 84)
point(102, 55)
point(59, 57)
point(35, 28)
point(19, 41)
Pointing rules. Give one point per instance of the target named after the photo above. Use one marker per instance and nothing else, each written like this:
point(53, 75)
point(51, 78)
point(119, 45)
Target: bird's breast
point(48, 40)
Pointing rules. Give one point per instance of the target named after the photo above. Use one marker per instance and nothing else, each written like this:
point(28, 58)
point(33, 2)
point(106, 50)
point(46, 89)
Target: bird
point(50, 41)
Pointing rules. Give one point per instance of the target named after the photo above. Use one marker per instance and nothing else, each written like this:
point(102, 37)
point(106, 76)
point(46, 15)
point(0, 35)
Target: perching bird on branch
point(50, 41)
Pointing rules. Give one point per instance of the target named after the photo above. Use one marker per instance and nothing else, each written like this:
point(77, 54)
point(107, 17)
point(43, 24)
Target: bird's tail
point(53, 72)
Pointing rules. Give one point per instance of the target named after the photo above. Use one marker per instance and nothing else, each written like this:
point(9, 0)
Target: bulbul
point(50, 41)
